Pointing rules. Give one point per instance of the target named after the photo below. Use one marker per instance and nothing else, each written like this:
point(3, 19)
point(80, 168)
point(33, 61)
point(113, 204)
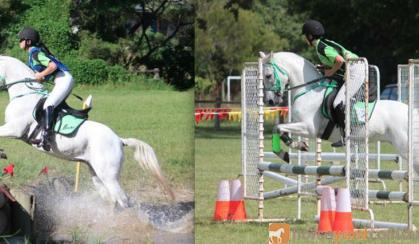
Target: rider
point(332, 56)
point(46, 68)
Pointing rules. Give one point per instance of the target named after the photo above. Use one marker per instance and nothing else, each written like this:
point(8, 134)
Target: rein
point(26, 80)
point(37, 90)
point(309, 83)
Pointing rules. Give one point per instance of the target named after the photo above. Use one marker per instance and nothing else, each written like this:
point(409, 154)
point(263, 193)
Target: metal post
point(347, 129)
point(261, 137)
point(229, 78)
point(299, 162)
point(318, 163)
point(410, 169)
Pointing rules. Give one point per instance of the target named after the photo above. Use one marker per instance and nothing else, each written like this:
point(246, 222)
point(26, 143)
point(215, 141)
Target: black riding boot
point(340, 122)
point(47, 132)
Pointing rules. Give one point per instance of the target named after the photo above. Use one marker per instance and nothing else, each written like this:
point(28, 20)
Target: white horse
point(389, 121)
point(277, 234)
point(94, 144)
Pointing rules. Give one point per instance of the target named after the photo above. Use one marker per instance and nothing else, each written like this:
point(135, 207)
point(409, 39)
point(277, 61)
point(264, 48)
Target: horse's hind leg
point(106, 180)
point(116, 192)
point(100, 187)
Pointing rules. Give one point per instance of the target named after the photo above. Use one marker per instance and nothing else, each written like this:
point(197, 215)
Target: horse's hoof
point(286, 157)
point(35, 142)
point(283, 155)
point(302, 146)
point(46, 147)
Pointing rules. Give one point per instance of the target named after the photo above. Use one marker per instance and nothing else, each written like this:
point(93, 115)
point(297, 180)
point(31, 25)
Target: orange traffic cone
point(222, 205)
point(327, 211)
point(237, 208)
point(343, 217)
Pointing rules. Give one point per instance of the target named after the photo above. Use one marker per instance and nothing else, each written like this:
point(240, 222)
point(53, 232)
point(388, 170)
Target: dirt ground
point(63, 216)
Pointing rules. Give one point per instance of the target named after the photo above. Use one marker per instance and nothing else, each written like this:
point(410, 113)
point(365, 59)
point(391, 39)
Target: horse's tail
point(145, 156)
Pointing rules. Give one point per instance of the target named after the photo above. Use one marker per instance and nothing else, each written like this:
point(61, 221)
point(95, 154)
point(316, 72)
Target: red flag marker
point(44, 171)
point(8, 170)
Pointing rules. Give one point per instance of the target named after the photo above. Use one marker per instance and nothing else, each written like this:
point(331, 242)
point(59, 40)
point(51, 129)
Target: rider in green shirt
point(332, 56)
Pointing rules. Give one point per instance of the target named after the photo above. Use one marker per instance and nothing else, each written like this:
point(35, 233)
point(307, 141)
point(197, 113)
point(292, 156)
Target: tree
point(224, 42)
point(158, 34)
point(385, 31)
point(10, 11)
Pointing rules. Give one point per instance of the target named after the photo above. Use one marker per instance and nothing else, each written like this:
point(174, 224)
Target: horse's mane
point(4, 57)
point(15, 66)
point(286, 56)
point(295, 60)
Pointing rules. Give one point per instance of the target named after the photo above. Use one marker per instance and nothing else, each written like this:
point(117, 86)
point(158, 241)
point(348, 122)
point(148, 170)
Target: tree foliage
point(10, 11)
point(224, 41)
point(130, 34)
point(383, 31)
point(232, 32)
point(154, 33)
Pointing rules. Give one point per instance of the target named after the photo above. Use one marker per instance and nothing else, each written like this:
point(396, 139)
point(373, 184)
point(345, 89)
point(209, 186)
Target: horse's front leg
point(283, 131)
point(12, 129)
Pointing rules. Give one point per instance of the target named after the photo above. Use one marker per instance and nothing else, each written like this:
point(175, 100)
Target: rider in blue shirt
point(46, 67)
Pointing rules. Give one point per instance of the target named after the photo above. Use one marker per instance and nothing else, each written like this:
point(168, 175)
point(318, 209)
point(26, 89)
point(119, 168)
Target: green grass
point(218, 157)
point(161, 118)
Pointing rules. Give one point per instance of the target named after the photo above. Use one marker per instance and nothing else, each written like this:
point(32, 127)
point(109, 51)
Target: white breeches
point(354, 87)
point(63, 85)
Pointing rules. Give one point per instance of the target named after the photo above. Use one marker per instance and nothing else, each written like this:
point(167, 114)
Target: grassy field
point(161, 118)
point(218, 157)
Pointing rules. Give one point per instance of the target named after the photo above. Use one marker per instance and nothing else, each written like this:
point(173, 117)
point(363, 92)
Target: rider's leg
point(339, 106)
point(62, 88)
point(47, 132)
point(339, 115)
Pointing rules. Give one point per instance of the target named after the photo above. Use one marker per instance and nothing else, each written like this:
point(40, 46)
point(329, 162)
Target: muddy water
point(61, 215)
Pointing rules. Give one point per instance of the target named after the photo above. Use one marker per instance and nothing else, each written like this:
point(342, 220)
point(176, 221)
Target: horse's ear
point(262, 54)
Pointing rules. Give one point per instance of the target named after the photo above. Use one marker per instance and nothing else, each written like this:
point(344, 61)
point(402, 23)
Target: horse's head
point(275, 78)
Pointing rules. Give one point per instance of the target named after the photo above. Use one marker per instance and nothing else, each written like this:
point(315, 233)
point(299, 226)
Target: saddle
point(66, 120)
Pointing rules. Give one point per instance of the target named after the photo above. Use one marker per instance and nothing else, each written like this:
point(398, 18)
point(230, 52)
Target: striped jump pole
point(388, 195)
point(302, 170)
point(335, 156)
point(372, 194)
point(336, 170)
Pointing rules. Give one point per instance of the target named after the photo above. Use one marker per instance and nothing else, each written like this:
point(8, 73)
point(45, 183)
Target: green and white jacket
point(328, 50)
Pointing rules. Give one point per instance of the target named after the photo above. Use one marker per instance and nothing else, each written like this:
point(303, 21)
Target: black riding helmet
point(29, 33)
point(314, 28)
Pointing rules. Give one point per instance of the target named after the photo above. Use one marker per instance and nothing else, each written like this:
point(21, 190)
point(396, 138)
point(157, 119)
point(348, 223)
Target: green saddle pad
point(68, 124)
point(358, 112)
